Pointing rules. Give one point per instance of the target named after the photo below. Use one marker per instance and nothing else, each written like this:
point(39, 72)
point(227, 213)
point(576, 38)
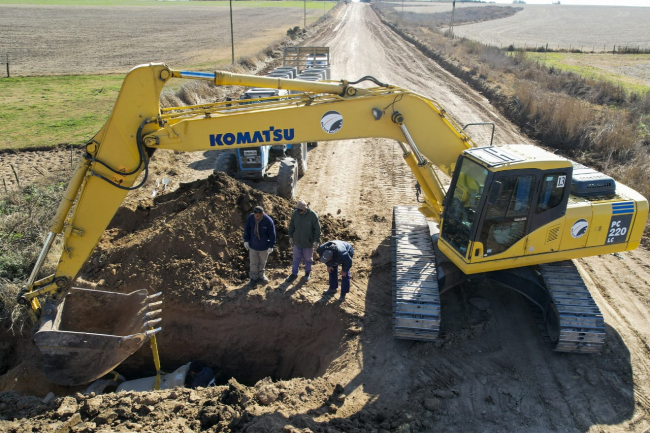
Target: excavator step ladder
point(416, 301)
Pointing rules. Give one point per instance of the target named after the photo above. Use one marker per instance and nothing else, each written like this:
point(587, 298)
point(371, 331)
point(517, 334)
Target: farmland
point(632, 71)
point(112, 39)
point(587, 28)
point(84, 67)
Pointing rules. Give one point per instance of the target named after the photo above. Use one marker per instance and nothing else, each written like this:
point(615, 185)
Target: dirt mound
point(264, 407)
point(278, 340)
point(190, 241)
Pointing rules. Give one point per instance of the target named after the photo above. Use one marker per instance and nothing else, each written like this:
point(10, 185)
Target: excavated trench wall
point(247, 338)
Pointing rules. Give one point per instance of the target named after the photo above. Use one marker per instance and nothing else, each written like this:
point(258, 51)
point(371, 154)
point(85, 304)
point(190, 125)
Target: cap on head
point(258, 209)
point(301, 205)
point(327, 256)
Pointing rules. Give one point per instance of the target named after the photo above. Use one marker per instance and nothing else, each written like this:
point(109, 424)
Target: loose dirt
point(336, 367)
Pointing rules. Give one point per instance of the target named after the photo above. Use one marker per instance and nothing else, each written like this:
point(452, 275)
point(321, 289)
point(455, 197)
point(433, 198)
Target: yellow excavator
point(515, 214)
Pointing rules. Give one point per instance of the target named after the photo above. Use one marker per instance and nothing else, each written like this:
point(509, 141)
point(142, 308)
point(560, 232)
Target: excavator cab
point(495, 201)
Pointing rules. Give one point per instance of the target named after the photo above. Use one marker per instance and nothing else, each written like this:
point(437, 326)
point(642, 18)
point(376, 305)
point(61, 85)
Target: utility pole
point(451, 23)
point(232, 36)
point(304, 20)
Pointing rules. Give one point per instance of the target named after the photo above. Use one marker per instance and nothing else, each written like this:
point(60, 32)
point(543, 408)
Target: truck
point(258, 164)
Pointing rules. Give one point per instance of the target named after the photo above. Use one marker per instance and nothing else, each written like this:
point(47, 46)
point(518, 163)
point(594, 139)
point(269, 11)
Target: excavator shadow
point(489, 358)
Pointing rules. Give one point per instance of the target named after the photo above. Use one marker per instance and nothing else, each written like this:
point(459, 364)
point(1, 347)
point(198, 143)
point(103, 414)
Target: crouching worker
point(259, 240)
point(333, 254)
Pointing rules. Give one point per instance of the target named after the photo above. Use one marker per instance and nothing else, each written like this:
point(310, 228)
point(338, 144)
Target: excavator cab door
point(506, 218)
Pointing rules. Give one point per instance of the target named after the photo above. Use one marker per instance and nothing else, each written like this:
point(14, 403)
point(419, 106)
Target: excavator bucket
point(92, 331)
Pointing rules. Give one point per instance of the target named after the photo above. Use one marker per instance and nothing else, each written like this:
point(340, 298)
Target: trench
point(246, 339)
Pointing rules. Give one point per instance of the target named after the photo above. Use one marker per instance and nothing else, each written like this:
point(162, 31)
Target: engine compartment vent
point(588, 182)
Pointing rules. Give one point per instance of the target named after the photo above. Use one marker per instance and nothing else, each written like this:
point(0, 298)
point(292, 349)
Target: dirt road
point(490, 371)
point(502, 375)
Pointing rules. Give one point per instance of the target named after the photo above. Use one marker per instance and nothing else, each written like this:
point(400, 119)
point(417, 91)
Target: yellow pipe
point(156, 360)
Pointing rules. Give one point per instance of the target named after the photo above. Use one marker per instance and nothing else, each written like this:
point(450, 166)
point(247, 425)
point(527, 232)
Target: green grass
point(565, 62)
point(236, 4)
point(46, 111)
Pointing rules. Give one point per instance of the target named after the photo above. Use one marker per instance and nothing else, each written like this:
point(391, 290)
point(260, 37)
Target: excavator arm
point(116, 161)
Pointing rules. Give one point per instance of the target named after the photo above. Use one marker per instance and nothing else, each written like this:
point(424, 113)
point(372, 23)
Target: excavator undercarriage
point(565, 313)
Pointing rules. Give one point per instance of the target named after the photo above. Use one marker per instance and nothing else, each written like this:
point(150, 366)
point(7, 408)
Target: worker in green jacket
point(304, 236)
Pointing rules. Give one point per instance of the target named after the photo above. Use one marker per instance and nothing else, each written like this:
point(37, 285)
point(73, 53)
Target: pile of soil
point(189, 246)
point(190, 241)
point(273, 338)
point(266, 407)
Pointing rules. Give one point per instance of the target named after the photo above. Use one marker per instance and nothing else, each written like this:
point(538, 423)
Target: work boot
point(307, 275)
point(342, 297)
point(263, 279)
point(329, 292)
point(252, 282)
point(291, 277)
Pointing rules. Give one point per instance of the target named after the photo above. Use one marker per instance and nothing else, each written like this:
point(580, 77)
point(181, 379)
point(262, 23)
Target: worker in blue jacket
point(335, 254)
point(259, 240)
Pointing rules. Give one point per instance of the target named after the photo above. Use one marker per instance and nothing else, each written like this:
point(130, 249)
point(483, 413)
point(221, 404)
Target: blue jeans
point(334, 280)
point(298, 255)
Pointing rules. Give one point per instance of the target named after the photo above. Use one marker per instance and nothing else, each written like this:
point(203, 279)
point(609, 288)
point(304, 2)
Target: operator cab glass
point(498, 209)
point(506, 215)
point(463, 204)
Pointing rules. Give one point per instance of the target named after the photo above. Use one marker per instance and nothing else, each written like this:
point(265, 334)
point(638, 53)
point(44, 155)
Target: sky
point(586, 2)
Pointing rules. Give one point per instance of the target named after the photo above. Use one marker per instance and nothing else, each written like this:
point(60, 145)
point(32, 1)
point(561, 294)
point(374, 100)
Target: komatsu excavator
point(515, 214)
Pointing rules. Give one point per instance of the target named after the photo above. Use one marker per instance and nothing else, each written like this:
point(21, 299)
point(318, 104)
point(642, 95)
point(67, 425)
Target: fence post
point(8, 76)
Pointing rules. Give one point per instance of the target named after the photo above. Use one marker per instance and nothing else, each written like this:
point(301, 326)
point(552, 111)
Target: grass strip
point(46, 111)
point(595, 66)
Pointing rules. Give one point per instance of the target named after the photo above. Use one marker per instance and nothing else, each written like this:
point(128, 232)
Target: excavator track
point(416, 300)
point(581, 327)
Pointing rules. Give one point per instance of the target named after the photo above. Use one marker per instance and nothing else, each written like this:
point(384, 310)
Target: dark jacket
point(304, 229)
point(267, 233)
point(343, 253)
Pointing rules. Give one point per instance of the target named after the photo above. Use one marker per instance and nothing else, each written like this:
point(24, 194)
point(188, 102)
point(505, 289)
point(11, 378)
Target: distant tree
point(518, 2)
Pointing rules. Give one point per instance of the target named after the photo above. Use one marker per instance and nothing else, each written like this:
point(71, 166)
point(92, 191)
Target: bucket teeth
point(152, 314)
point(153, 332)
point(151, 323)
point(154, 305)
point(91, 332)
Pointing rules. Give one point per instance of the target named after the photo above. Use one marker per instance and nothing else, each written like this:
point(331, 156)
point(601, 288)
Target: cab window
point(505, 220)
point(552, 192)
point(464, 197)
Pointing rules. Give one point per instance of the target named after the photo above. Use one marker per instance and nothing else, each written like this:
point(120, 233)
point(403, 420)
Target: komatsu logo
point(271, 134)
